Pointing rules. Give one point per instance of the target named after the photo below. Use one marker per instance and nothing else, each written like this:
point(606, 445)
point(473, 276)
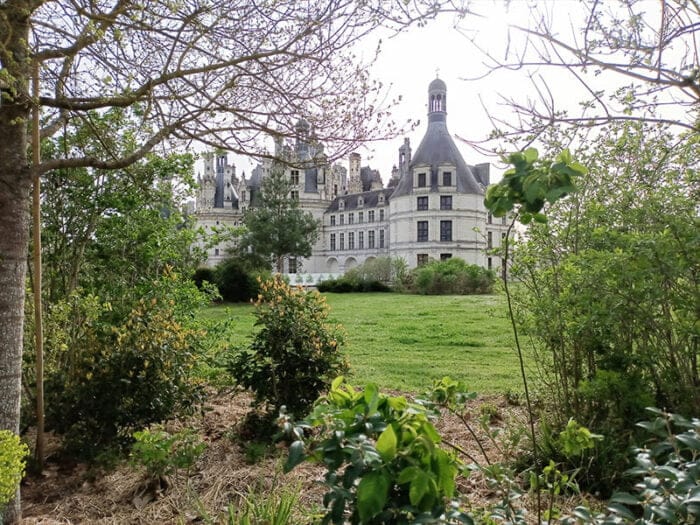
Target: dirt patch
point(69, 493)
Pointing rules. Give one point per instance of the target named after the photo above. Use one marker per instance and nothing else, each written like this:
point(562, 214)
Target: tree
point(222, 72)
point(633, 60)
point(277, 227)
point(609, 289)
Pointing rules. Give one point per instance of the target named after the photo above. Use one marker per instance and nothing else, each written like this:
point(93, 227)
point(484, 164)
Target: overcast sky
point(410, 60)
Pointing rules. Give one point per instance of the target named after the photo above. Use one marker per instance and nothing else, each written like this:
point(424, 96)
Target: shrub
point(295, 355)
point(347, 284)
point(382, 457)
point(204, 274)
point(453, 276)
point(236, 280)
point(109, 380)
point(164, 454)
point(12, 463)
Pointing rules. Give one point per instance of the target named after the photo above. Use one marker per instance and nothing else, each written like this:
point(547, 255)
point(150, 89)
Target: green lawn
point(403, 342)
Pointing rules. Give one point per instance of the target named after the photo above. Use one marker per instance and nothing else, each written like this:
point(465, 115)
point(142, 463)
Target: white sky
point(409, 62)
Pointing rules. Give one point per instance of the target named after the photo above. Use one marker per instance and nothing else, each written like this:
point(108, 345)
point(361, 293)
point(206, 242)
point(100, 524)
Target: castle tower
point(354, 179)
point(404, 157)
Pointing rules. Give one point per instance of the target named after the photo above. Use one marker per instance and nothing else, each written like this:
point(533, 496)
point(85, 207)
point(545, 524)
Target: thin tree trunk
point(38, 308)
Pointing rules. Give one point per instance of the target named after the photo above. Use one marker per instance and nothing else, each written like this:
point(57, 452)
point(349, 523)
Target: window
point(294, 179)
point(351, 241)
point(360, 201)
point(445, 230)
point(489, 240)
point(445, 256)
point(342, 241)
point(341, 204)
point(490, 218)
point(503, 219)
point(292, 265)
point(335, 190)
point(360, 217)
point(381, 215)
point(381, 198)
point(216, 251)
point(332, 220)
point(381, 238)
point(447, 179)
point(422, 231)
point(421, 180)
point(422, 203)
point(490, 263)
point(422, 258)
point(295, 195)
point(445, 202)
point(370, 216)
point(217, 223)
point(351, 218)
point(332, 241)
point(503, 238)
point(361, 240)
point(370, 239)
point(342, 219)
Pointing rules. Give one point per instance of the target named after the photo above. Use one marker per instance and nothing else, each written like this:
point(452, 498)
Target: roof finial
point(437, 72)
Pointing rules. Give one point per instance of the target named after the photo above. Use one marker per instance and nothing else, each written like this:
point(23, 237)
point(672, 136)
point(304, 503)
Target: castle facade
point(432, 207)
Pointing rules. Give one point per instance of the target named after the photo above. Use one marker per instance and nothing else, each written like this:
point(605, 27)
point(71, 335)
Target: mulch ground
point(71, 493)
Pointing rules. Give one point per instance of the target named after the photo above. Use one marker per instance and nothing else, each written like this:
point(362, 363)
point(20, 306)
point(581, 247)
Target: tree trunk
point(15, 184)
point(15, 201)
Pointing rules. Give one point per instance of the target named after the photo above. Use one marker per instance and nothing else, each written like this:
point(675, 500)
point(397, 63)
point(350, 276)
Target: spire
point(437, 101)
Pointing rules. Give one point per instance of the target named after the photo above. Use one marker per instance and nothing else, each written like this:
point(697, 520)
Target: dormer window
point(341, 204)
point(360, 201)
point(381, 198)
point(421, 180)
point(447, 178)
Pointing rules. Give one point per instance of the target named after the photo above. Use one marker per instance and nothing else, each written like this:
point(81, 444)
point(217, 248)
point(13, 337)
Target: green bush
point(295, 355)
point(204, 274)
point(236, 281)
point(383, 459)
point(453, 276)
point(12, 463)
point(608, 290)
point(164, 454)
point(105, 381)
point(348, 284)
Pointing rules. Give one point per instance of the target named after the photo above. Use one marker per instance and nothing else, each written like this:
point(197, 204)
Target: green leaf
point(372, 494)
point(624, 497)
point(531, 154)
point(371, 396)
point(386, 444)
point(419, 487)
point(296, 455)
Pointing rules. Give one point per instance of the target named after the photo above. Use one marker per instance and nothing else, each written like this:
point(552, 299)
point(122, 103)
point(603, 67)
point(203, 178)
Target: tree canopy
point(225, 73)
point(277, 227)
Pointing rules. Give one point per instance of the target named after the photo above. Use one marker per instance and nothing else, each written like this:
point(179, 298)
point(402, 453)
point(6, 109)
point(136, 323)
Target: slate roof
point(371, 200)
point(437, 147)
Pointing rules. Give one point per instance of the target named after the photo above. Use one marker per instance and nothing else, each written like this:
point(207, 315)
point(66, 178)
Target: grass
point(404, 342)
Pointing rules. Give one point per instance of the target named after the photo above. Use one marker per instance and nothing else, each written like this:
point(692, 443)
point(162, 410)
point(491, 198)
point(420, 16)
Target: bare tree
point(223, 72)
point(632, 60)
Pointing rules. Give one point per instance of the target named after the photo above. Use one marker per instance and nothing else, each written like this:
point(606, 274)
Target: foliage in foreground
point(383, 459)
point(296, 353)
point(609, 290)
point(12, 463)
point(107, 378)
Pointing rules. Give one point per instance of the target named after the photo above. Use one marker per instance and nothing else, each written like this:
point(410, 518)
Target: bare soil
point(71, 493)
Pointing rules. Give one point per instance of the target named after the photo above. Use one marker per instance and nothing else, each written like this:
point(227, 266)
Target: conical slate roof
point(437, 147)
